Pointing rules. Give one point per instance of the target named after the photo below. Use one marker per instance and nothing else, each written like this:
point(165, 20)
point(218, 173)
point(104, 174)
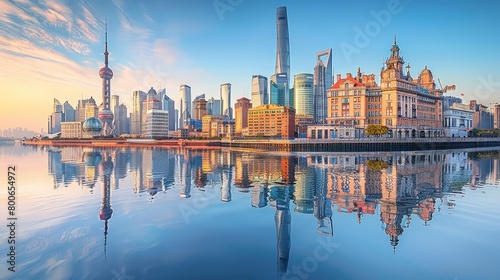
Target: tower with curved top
point(105, 114)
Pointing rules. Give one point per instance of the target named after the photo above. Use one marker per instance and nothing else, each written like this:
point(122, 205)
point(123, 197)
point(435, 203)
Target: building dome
point(106, 72)
point(91, 100)
point(152, 91)
point(92, 125)
point(426, 71)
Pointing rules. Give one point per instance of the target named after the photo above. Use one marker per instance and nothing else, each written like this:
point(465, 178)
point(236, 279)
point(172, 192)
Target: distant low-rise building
point(206, 126)
point(71, 130)
point(457, 120)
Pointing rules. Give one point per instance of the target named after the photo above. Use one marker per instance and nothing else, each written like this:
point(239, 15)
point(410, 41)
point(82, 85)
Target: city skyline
point(57, 47)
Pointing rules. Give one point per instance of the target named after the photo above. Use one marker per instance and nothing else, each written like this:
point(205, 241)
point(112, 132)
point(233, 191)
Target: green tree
point(377, 130)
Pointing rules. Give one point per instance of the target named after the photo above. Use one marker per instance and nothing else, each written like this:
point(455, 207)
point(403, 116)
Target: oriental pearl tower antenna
point(105, 115)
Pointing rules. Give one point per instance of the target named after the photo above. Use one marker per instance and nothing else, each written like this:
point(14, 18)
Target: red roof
point(350, 79)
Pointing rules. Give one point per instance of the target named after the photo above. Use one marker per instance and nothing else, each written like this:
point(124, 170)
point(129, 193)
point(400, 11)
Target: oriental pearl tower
point(105, 115)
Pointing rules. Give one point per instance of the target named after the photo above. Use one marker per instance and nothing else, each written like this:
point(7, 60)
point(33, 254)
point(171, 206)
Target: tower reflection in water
point(402, 186)
point(105, 212)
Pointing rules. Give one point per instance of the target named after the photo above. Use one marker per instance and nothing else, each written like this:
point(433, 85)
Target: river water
point(154, 213)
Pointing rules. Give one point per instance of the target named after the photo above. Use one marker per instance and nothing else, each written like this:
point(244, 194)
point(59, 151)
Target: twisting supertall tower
point(105, 115)
point(282, 44)
point(280, 80)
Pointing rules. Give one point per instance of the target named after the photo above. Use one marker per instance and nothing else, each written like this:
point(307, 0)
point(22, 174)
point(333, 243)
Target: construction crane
point(446, 88)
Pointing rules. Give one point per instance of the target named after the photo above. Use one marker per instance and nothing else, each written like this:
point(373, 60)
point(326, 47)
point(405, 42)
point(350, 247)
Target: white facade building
point(156, 124)
point(457, 120)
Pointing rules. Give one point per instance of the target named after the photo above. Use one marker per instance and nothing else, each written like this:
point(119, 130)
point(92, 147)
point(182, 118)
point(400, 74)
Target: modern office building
point(200, 108)
point(278, 89)
point(69, 113)
point(214, 107)
point(121, 124)
point(91, 110)
point(81, 111)
point(241, 114)
point(138, 98)
point(271, 120)
point(156, 123)
point(260, 95)
point(168, 104)
point(105, 115)
point(225, 100)
point(120, 121)
point(152, 102)
point(185, 105)
point(193, 104)
point(55, 119)
point(303, 87)
point(323, 80)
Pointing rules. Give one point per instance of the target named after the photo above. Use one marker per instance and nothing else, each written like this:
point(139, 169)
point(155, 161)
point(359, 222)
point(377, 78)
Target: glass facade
point(304, 94)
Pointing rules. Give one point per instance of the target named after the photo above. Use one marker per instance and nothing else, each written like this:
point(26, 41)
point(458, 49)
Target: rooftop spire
point(394, 39)
point(106, 45)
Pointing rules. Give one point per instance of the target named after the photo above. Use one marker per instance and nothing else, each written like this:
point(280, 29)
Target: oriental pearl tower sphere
point(105, 115)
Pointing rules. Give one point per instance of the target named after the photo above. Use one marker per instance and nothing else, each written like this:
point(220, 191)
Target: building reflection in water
point(105, 212)
point(403, 186)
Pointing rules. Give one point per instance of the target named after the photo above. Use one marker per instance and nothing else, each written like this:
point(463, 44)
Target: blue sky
point(53, 49)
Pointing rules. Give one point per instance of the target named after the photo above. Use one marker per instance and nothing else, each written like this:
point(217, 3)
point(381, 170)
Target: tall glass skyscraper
point(279, 89)
point(303, 87)
point(260, 95)
point(282, 69)
point(185, 105)
point(168, 105)
point(225, 100)
point(213, 107)
point(323, 79)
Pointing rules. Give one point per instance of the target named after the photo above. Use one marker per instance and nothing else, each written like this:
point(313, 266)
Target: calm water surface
point(148, 213)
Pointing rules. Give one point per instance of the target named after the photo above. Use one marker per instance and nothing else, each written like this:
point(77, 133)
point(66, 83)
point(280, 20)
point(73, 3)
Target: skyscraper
point(193, 104)
point(282, 44)
point(304, 94)
point(68, 112)
point(260, 95)
point(120, 115)
point(185, 105)
point(282, 69)
point(136, 116)
point(278, 89)
point(199, 108)
point(213, 107)
point(168, 104)
point(56, 117)
point(105, 115)
point(225, 98)
point(322, 81)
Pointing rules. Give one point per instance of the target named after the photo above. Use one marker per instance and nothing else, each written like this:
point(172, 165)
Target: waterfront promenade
point(295, 145)
point(363, 144)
